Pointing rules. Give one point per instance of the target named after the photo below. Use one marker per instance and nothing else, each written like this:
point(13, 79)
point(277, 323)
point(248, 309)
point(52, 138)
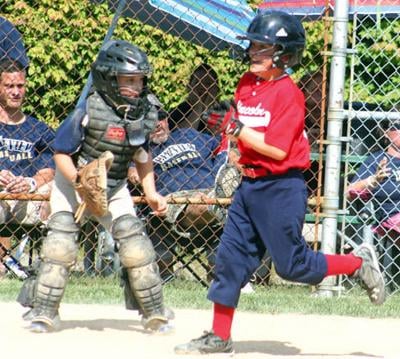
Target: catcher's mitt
point(91, 185)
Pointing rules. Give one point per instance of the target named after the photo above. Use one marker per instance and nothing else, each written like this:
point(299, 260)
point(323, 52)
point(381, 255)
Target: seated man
point(185, 166)
point(377, 179)
point(202, 92)
point(26, 159)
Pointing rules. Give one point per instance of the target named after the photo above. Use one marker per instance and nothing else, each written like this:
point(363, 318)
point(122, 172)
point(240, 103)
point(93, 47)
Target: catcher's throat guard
point(135, 131)
point(91, 185)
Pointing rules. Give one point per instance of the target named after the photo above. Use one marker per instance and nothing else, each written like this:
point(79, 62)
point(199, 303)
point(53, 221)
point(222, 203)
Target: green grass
point(185, 294)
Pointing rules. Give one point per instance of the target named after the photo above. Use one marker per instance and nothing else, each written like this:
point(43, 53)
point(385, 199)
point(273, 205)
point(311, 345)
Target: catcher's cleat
point(42, 324)
point(159, 323)
point(369, 274)
point(208, 343)
point(29, 315)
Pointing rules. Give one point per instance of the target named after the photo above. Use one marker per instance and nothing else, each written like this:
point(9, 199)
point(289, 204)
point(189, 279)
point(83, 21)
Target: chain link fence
point(189, 78)
point(373, 100)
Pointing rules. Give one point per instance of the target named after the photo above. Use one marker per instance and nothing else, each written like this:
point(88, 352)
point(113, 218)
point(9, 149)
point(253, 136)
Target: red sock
point(342, 264)
point(222, 323)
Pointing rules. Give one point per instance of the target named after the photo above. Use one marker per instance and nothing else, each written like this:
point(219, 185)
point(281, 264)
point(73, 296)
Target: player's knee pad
point(60, 244)
point(26, 295)
point(146, 286)
point(134, 246)
point(131, 302)
point(50, 285)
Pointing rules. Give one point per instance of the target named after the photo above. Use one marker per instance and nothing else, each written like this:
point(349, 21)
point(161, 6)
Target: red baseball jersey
point(275, 108)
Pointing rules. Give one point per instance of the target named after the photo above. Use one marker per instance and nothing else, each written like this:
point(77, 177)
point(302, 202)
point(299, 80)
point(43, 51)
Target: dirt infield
point(100, 331)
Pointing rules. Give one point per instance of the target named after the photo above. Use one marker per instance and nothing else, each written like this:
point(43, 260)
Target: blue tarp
point(213, 24)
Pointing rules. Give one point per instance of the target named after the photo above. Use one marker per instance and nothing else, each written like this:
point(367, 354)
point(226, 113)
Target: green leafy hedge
point(63, 38)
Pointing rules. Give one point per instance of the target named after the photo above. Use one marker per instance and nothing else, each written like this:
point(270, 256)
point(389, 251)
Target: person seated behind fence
point(185, 166)
point(11, 43)
point(203, 92)
point(378, 178)
point(26, 157)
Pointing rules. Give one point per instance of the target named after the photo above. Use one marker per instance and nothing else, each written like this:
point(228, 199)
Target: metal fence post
point(335, 119)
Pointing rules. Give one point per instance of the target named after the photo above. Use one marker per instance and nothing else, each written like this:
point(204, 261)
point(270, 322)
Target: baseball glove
point(91, 185)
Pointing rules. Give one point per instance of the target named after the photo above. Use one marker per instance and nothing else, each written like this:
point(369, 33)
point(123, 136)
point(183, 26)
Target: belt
point(255, 171)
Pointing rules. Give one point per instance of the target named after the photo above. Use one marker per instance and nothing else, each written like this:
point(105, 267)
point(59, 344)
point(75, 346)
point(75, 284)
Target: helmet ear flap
point(277, 59)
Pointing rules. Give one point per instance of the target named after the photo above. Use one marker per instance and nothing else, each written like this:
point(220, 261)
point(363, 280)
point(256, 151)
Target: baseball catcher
point(94, 147)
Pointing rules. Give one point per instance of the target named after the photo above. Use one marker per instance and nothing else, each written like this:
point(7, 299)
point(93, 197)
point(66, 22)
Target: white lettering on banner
point(253, 116)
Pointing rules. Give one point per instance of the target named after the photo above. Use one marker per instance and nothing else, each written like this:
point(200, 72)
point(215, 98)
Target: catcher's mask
point(121, 58)
point(282, 30)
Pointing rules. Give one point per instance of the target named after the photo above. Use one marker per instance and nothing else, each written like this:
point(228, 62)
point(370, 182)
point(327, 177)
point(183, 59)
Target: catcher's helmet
point(282, 29)
point(118, 57)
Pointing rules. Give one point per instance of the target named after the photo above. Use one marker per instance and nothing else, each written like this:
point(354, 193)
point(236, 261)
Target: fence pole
point(336, 115)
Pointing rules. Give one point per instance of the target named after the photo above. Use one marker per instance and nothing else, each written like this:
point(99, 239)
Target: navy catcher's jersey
point(186, 161)
point(387, 195)
point(25, 148)
point(69, 134)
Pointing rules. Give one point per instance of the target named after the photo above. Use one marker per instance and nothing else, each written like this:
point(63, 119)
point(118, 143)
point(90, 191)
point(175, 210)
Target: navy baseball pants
point(266, 213)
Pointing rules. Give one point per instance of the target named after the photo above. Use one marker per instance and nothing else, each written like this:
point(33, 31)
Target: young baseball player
point(269, 205)
point(117, 120)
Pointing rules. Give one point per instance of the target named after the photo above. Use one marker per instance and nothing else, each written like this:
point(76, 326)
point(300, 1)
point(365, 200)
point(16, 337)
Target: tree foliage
point(63, 38)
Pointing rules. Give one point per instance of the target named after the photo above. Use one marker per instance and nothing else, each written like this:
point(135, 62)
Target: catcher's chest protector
point(106, 131)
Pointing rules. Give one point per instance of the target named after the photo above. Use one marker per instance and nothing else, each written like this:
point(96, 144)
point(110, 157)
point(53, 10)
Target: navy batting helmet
point(281, 29)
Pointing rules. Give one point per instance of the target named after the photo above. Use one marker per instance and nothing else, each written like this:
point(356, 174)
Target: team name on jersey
point(250, 110)
point(175, 154)
point(14, 145)
point(253, 116)
point(173, 150)
point(16, 157)
point(397, 175)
